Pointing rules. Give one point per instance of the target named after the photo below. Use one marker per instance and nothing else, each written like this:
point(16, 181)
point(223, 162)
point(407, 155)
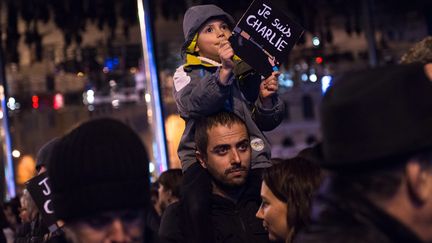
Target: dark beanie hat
point(99, 166)
point(376, 116)
point(44, 153)
point(198, 15)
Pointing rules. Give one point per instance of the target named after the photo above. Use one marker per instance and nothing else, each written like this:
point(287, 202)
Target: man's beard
point(227, 186)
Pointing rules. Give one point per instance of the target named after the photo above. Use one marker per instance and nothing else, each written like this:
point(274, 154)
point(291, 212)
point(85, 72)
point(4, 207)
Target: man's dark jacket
point(343, 218)
point(232, 222)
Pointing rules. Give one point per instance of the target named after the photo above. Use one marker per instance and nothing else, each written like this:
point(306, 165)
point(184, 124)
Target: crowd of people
point(369, 179)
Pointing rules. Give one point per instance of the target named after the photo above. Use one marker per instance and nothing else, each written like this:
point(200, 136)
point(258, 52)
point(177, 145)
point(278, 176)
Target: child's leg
point(196, 194)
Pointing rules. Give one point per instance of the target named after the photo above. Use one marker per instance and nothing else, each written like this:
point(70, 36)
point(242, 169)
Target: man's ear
point(201, 159)
point(419, 180)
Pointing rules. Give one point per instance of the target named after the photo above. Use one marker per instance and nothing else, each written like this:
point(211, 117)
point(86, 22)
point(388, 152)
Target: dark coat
point(351, 218)
point(232, 222)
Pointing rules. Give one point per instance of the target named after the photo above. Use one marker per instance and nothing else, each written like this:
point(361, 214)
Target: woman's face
point(273, 212)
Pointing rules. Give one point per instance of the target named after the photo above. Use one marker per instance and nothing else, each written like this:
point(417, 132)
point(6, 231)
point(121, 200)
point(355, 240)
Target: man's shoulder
point(169, 229)
point(171, 214)
point(340, 233)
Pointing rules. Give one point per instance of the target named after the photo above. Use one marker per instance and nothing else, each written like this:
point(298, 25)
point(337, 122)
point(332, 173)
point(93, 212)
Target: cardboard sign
point(264, 36)
point(40, 191)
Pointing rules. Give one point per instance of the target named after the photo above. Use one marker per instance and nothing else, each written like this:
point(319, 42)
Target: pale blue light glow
point(325, 82)
point(7, 149)
point(160, 150)
point(316, 41)
point(285, 80)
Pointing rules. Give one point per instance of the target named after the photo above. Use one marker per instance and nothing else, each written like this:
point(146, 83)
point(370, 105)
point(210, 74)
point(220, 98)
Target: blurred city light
point(316, 41)
point(304, 77)
point(88, 97)
point(111, 63)
point(16, 153)
point(35, 101)
point(112, 83)
point(285, 80)
point(133, 70)
point(12, 104)
point(151, 167)
point(313, 78)
point(325, 83)
point(147, 98)
point(58, 101)
point(115, 103)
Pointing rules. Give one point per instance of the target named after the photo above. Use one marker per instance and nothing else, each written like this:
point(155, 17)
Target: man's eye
point(221, 150)
point(243, 147)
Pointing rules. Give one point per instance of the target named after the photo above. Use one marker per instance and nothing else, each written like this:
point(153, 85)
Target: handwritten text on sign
point(268, 33)
point(40, 191)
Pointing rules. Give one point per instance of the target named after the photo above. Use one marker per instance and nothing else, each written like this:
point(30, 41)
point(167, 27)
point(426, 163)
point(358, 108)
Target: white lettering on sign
point(267, 33)
point(274, 34)
point(265, 11)
point(284, 29)
point(47, 189)
point(47, 208)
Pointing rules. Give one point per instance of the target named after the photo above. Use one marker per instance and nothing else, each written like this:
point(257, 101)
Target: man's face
point(119, 226)
point(228, 154)
point(210, 37)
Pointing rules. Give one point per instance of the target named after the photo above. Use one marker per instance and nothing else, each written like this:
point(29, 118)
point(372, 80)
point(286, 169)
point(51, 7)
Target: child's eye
point(209, 29)
point(224, 27)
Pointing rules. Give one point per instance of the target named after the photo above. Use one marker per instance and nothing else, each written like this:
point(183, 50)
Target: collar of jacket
point(364, 212)
point(194, 60)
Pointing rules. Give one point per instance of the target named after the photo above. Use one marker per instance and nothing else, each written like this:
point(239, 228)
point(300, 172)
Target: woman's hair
point(294, 182)
point(28, 203)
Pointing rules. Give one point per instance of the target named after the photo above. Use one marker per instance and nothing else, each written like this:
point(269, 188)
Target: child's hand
point(226, 53)
point(268, 87)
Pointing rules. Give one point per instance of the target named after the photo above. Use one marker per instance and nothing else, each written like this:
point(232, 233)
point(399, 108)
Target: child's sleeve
point(199, 93)
point(268, 119)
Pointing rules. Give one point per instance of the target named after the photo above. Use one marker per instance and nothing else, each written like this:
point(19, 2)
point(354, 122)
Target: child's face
point(210, 37)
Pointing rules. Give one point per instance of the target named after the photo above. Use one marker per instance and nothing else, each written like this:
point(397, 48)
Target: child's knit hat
point(99, 166)
point(197, 16)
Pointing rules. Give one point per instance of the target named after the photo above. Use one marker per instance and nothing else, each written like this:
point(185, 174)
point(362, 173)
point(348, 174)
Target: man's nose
point(117, 232)
point(235, 157)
